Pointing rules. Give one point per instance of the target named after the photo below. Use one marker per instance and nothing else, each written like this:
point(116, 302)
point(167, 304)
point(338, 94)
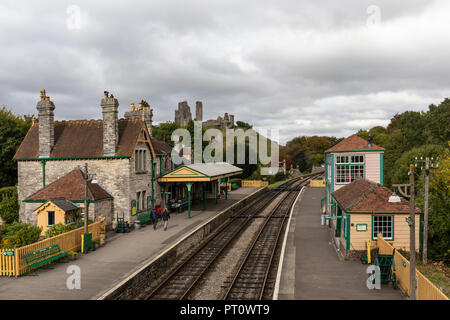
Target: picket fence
point(12, 262)
point(254, 183)
point(426, 290)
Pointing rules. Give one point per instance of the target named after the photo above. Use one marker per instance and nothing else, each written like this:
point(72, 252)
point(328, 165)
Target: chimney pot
point(110, 108)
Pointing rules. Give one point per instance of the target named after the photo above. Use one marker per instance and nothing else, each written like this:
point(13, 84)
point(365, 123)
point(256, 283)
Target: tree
point(401, 166)
point(144, 103)
point(12, 131)
point(439, 217)
point(20, 234)
point(9, 208)
point(164, 130)
point(243, 125)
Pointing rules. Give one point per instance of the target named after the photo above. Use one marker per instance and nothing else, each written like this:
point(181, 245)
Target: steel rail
point(250, 207)
point(252, 249)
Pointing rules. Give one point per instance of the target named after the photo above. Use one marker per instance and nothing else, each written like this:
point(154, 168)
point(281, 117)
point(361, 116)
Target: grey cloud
point(304, 67)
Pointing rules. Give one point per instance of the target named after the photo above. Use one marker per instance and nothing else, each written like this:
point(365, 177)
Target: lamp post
point(425, 207)
point(189, 185)
point(86, 206)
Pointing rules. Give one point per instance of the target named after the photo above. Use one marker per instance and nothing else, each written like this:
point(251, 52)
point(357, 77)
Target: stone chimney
point(142, 112)
point(369, 139)
point(45, 109)
point(110, 107)
point(199, 111)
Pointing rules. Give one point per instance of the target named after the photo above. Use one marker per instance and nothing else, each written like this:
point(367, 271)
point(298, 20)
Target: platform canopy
point(200, 172)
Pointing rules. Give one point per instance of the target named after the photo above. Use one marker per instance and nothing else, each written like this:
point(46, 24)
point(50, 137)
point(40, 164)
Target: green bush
point(280, 176)
point(58, 229)
point(236, 181)
point(9, 208)
point(20, 234)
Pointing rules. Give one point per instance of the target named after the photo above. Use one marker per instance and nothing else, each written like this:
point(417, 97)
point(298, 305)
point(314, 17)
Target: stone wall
point(104, 208)
point(112, 174)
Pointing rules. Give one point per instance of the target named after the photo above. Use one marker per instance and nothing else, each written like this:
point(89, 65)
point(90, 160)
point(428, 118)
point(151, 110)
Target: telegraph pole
point(425, 207)
point(425, 215)
point(412, 237)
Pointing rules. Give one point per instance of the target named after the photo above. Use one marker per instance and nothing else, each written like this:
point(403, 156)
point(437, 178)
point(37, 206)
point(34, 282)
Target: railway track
point(250, 280)
point(184, 278)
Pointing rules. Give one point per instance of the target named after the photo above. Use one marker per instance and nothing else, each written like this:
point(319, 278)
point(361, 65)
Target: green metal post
point(189, 185)
point(43, 172)
point(215, 192)
point(226, 188)
point(153, 182)
point(204, 196)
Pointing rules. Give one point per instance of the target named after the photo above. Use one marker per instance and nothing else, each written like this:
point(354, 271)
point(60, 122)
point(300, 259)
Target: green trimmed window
point(349, 168)
point(383, 224)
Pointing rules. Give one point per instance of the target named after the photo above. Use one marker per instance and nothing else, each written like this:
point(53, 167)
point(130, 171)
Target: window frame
point(48, 218)
point(392, 226)
point(350, 166)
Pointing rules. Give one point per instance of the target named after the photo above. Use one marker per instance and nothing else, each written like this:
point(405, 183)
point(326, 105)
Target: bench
point(174, 206)
point(43, 256)
point(144, 217)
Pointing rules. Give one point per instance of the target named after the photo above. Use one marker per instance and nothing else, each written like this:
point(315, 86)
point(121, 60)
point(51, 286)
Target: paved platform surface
point(122, 254)
point(311, 267)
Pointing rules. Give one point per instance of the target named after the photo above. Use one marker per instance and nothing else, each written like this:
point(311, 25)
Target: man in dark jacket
point(154, 216)
point(166, 217)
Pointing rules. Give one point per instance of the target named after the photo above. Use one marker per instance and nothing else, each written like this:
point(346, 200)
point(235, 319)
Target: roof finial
point(42, 94)
point(106, 94)
point(132, 106)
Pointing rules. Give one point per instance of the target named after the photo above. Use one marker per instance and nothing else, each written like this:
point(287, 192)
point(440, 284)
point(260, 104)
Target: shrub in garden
point(9, 208)
point(58, 229)
point(236, 181)
point(20, 234)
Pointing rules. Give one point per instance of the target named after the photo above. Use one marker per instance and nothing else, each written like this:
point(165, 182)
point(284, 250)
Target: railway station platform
point(122, 254)
point(312, 269)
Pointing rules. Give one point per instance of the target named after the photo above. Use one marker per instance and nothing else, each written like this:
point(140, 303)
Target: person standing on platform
point(154, 215)
point(166, 217)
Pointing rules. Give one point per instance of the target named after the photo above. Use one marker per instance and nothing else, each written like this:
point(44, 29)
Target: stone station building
point(121, 153)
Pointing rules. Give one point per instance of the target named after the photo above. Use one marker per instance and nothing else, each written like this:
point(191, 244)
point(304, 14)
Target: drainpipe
point(153, 183)
point(43, 172)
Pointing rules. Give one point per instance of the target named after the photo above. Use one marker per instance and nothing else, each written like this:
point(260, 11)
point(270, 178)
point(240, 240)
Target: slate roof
point(71, 187)
point(363, 195)
point(64, 204)
point(81, 138)
point(161, 147)
point(354, 143)
point(214, 169)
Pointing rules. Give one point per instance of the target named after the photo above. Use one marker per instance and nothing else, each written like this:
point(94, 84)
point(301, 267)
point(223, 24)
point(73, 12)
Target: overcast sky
point(305, 67)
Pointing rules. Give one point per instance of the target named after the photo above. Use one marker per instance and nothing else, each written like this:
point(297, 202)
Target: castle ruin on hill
point(183, 115)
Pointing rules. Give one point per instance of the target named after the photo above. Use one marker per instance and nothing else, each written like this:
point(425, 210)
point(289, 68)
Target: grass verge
point(437, 273)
